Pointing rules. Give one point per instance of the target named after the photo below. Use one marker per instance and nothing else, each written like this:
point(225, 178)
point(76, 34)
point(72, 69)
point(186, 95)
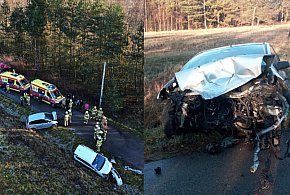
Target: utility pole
point(103, 79)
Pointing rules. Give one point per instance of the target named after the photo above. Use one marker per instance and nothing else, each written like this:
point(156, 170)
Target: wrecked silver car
point(237, 88)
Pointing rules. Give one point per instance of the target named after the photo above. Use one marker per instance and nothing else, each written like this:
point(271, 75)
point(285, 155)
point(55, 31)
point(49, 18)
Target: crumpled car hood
point(214, 79)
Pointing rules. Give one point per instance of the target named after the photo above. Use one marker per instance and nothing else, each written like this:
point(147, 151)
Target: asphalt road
point(224, 173)
point(121, 144)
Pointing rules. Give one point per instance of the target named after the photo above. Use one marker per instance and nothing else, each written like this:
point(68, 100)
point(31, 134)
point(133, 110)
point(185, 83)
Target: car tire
point(168, 128)
point(168, 119)
point(54, 126)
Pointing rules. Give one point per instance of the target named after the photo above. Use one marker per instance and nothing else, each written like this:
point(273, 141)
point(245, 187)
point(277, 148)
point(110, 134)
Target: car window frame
point(35, 122)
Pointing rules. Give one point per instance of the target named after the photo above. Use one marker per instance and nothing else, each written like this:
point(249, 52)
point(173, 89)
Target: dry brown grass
point(166, 52)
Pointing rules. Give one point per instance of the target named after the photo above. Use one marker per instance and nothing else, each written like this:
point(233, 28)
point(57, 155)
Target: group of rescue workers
point(101, 126)
point(25, 99)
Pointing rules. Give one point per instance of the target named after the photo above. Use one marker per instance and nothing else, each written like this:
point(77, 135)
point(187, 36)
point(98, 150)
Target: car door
point(46, 123)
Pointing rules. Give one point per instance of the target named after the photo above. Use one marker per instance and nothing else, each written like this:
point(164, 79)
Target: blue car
point(42, 120)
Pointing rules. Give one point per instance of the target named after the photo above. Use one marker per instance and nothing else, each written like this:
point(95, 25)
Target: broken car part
point(127, 168)
point(238, 88)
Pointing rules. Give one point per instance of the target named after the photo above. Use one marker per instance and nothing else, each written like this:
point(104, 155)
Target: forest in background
point(167, 15)
point(67, 43)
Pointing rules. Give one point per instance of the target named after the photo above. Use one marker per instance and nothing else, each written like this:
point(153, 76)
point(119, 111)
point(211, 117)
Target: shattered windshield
point(23, 82)
point(48, 116)
point(221, 53)
point(99, 162)
point(55, 94)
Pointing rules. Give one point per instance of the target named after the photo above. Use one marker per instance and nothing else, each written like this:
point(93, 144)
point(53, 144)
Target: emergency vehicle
point(15, 81)
point(46, 92)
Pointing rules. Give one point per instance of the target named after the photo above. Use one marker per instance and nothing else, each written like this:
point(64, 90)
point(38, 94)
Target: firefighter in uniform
point(28, 99)
point(25, 97)
point(7, 88)
point(70, 115)
point(86, 117)
point(70, 104)
point(64, 103)
point(99, 138)
point(94, 112)
point(100, 114)
point(104, 127)
point(96, 129)
point(66, 119)
point(22, 100)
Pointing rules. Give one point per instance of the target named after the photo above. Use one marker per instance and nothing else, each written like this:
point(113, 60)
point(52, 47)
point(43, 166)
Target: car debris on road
point(127, 168)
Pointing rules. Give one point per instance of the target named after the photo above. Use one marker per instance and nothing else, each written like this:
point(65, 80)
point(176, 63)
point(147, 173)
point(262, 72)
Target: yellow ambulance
point(46, 92)
point(16, 82)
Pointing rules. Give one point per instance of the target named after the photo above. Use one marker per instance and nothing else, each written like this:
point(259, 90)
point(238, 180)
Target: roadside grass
point(13, 108)
point(31, 164)
point(158, 146)
point(41, 162)
point(166, 52)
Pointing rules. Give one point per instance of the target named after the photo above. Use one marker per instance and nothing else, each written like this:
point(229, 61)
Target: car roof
point(86, 153)
point(43, 84)
point(37, 116)
point(13, 75)
point(211, 55)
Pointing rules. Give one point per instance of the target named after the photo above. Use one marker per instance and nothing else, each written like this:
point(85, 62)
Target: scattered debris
point(127, 168)
point(214, 148)
point(157, 170)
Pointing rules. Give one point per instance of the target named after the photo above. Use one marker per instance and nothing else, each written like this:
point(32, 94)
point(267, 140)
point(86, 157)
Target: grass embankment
point(167, 52)
point(41, 162)
point(157, 146)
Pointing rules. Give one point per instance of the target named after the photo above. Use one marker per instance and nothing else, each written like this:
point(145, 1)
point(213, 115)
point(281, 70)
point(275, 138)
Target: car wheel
point(168, 128)
point(168, 120)
point(54, 126)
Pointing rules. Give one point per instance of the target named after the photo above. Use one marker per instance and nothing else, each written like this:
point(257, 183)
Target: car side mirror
point(282, 65)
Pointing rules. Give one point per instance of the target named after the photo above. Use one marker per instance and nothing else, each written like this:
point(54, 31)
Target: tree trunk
point(171, 22)
point(146, 19)
point(218, 20)
point(282, 15)
point(204, 15)
point(163, 19)
point(253, 16)
point(188, 22)
point(159, 18)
